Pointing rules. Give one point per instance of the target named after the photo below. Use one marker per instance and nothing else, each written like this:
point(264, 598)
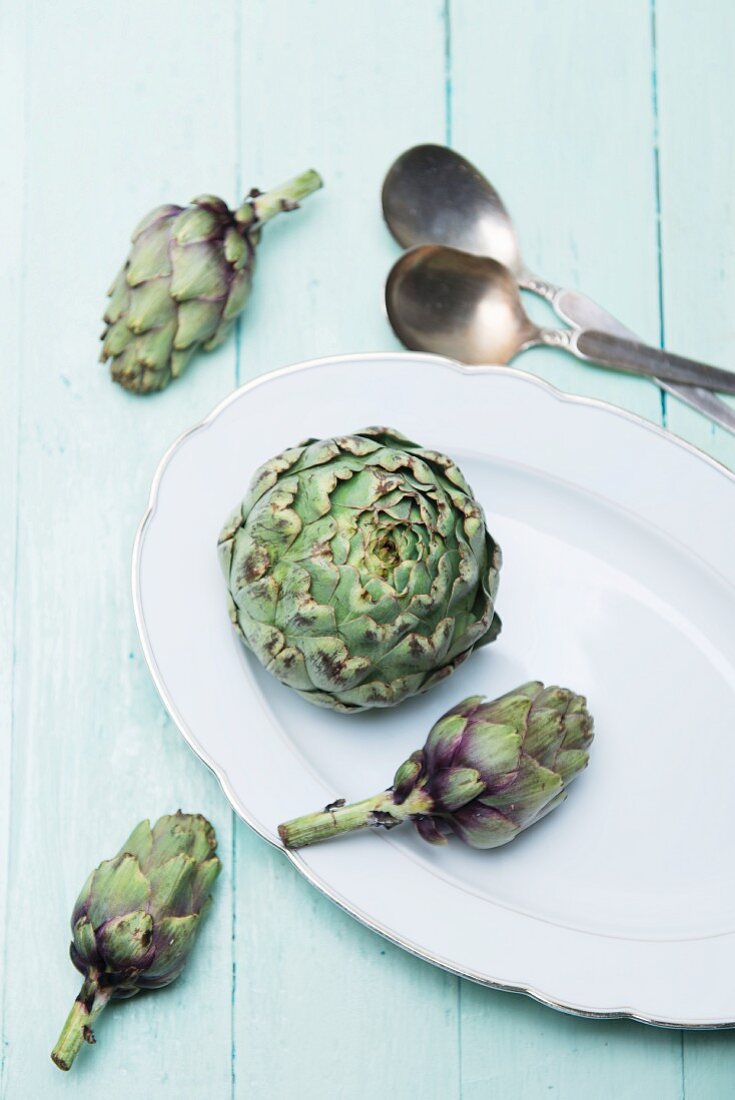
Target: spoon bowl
point(468, 307)
point(458, 304)
point(432, 195)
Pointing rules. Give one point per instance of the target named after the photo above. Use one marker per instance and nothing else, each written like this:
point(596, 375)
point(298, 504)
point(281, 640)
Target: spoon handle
point(629, 355)
point(578, 310)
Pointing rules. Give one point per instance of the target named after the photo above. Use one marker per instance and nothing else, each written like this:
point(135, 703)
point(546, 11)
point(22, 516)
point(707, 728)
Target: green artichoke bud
point(486, 772)
point(360, 570)
point(185, 281)
point(137, 917)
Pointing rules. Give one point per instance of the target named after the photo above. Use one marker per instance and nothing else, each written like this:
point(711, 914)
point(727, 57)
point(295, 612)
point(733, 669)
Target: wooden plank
point(128, 107)
point(512, 1046)
point(555, 107)
point(12, 94)
point(324, 1007)
point(708, 1065)
point(565, 134)
point(696, 101)
point(697, 160)
point(369, 84)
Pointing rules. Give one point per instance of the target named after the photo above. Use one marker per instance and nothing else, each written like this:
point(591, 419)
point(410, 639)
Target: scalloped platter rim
point(618, 580)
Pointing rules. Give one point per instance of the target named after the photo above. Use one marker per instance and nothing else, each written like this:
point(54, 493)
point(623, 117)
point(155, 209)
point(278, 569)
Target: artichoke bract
point(487, 771)
point(360, 570)
point(186, 279)
point(136, 919)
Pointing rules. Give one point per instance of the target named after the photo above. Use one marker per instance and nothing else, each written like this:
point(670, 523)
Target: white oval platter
point(618, 581)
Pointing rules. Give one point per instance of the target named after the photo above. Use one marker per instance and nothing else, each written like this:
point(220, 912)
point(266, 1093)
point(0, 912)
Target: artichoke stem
point(380, 811)
point(78, 1026)
point(284, 197)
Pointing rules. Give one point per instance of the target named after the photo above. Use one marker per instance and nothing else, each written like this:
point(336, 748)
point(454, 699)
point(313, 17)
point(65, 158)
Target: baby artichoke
point(185, 281)
point(487, 771)
point(360, 570)
point(136, 919)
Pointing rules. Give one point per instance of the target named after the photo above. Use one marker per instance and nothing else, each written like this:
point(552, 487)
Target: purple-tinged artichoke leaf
point(514, 706)
point(196, 224)
point(172, 886)
point(120, 296)
point(173, 940)
point(198, 271)
point(159, 214)
point(561, 797)
point(455, 787)
point(182, 834)
point(150, 258)
point(466, 708)
point(483, 827)
point(213, 203)
point(238, 295)
point(81, 905)
point(224, 328)
point(84, 941)
point(196, 321)
point(204, 879)
point(578, 730)
point(118, 887)
point(429, 831)
point(180, 360)
point(444, 741)
point(126, 941)
point(406, 776)
point(149, 306)
point(544, 734)
point(533, 787)
point(493, 748)
point(140, 842)
point(116, 338)
point(570, 762)
point(235, 247)
point(157, 342)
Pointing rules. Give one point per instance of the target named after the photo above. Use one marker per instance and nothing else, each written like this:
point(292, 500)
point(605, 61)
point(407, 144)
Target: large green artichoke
point(487, 771)
point(136, 918)
point(360, 570)
point(185, 281)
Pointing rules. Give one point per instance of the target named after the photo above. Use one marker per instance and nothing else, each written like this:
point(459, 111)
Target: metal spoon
point(433, 195)
point(468, 307)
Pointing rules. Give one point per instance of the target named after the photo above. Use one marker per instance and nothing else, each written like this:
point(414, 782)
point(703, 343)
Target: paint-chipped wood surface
point(607, 129)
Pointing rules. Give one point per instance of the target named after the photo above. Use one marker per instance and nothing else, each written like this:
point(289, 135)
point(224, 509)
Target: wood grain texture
point(12, 86)
point(566, 137)
point(696, 102)
point(92, 749)
point(513, 1047)
point(348, 103)
point(598, 124)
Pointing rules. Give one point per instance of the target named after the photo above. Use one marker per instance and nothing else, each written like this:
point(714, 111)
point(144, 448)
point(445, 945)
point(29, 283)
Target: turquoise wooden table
point(607, 128)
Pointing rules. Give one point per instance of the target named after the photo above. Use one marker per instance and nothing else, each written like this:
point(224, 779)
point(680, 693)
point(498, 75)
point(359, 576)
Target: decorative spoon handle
point(579, 310)
point(629, 355)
